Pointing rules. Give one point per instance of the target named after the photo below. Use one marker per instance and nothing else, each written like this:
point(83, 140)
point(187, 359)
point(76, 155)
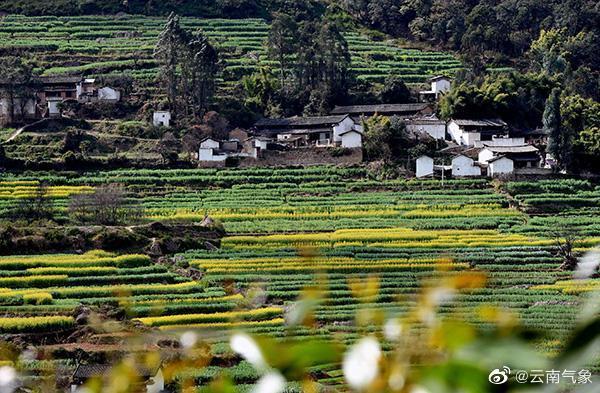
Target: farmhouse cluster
point(476, 147)
point(46, 94)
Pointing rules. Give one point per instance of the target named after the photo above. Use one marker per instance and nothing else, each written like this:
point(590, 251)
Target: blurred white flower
point(392, 330)
point(441, 295)
point(419, 389)
point(8, 379)
point(361, 363)
point(188, 339)
point(396, 380)
point(588, 264)
point(272, 382)
point(246, 347)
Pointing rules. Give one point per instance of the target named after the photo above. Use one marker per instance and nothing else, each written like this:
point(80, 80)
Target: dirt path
point(15, 134)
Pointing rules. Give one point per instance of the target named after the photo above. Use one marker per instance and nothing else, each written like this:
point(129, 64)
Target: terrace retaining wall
point(304, 157)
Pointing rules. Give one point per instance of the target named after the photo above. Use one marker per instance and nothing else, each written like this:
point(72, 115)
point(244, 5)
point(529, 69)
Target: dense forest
point(203, 8)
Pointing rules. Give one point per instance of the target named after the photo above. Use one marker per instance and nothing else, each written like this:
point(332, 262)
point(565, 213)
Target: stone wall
point(304, 157)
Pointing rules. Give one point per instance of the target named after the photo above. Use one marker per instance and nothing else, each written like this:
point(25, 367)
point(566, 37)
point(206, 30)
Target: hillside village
point(472, 147)
point(299, 196)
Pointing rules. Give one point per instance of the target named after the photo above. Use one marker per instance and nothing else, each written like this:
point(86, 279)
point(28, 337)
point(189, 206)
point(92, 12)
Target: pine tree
point(560, 142)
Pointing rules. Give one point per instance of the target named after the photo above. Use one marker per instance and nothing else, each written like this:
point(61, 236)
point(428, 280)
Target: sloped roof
point(498, 158)
point(425, 120)
point(511, 149)
point(437, 77)
point(351, 130)
point(380, 108)
point(60, 79)
point(301, 121)
point(480, 122)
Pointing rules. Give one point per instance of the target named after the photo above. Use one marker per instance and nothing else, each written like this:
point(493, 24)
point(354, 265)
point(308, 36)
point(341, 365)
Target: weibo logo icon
point(499, 376)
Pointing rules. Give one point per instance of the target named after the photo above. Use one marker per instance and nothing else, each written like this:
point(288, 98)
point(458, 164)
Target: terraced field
point(100, 45)
point(323, 227)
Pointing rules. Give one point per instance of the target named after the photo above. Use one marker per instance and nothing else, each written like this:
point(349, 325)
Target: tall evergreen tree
point(189, 65)
point(560, 143)
point(167, 53)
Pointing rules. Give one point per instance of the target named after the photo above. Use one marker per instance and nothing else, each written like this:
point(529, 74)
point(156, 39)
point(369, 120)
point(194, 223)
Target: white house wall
point(502, 166)
point(108, 94)
point(471, 138)
point(440, 86)
point(463, 166)
point(437, 131)
point(485, 155)
point(424, 166)
point(209, 144)
point(351, 140)
point(208, 155)
point(455, 132)
point(345, 125)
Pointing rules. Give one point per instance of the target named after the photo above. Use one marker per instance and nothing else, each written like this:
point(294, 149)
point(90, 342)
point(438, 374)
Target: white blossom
point(272, 382)
point(188, 339)
point(361, 363)
point(392, 330)
point(8, 379)
point(246, 347)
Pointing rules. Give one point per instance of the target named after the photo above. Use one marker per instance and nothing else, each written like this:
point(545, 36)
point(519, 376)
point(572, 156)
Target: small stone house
point(439, 85)
point(468, 132)
point(500, 165)
point(431, 125)
point(424, 166)
point(161, 118)
point(523, 156)
point(311, 131)
point(463, 166)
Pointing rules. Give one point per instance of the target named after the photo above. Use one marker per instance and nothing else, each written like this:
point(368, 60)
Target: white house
point(54, 106)
point(467, 132)
point(463, 166)
point(500, 165)
point(108, 94)
point(523, 156)
point(208, 150)
point(351, 138)
point(424, 166)
point(161, 118)
point(309, 131)
point(433, 126)
point(439, 85)
point(502, 141)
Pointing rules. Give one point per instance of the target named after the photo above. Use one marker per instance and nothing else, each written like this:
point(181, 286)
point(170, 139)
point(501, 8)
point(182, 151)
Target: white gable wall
point(345, 125)
point(161, 118)
point(436, 131)
point(455, 132)
point(463, 166)
point(210, 144)
point(485, 155)
point(501, 166)
point(424, 166)
point(440, 86)
point(108, 94)
point(352, 139)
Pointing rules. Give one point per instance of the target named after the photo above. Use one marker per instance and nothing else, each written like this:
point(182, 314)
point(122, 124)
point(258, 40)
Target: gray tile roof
point(512, 149)
point(381, 109)
point(300, 121)
point(480, 122)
